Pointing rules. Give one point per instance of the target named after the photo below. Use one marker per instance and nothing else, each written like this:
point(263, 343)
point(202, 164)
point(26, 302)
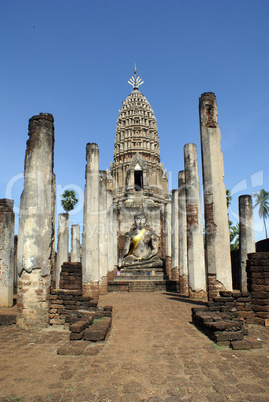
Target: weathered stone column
point(217, 237)
point(62, 245)
point(103, 235)
point(246, 237)
point(168, 240)
point(195, 246)
point(110, 234)
point(182, 236)
point(36, 225)
point(90, 260)
point(174, 234)
point(115, 237)
point(75, 243)
point(7, 224)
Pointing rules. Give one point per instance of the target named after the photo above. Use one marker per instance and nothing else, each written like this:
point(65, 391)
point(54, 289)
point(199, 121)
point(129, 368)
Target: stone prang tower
point(137, 178)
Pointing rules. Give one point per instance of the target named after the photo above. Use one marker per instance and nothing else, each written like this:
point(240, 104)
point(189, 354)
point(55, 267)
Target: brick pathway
point(153, 354)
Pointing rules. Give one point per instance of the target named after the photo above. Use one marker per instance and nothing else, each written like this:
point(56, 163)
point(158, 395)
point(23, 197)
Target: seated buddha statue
point(140, 246)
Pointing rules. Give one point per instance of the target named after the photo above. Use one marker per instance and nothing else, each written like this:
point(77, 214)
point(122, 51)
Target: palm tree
point(234, 235)
point(262, 201)
point(69, 200)
point(228, 198)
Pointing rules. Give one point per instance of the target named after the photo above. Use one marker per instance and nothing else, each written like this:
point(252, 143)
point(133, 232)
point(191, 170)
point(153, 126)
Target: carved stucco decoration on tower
point(137, 164)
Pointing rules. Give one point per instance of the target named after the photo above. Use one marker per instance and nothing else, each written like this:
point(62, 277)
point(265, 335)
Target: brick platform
point(139, 280)
point(222, 319)
point(71, 276)
point(258, 284)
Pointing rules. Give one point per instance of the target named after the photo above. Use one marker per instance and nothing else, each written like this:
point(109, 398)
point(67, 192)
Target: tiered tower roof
point(136, 128)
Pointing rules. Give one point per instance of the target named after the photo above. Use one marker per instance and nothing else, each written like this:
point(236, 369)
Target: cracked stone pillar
point(103, 235)
point(90, 260)
point(168, 240)
point(174, 234)
point(75, 243)
point(36, 225)
point(110, 234)
point(217, 237)
point(182, 236)
point(7, 225)
point(195, 246)
point(246, 237)
point(62, 244)
point(115, 237)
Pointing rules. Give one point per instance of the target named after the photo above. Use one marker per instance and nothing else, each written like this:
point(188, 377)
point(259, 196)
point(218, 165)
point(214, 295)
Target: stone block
point(257, 307)
point(246, 314)
point(94, 334)
point(107, 313)
point(108, 308)
point(241, 345)
point(7, 319)
point(260, 295)
point(57, 321)
point(228, 336)
point(79, 326)
point(262, 314)
point(226, 326)
point(260, 288)
point(74, 336)
point(225, 293)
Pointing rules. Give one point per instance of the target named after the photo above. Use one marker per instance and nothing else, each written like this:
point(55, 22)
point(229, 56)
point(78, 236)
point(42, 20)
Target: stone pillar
point(217, 237)
point(62, 245)
point(174, 234)
point(168, 240)
point(195, 246)
point(103, 236)
point(90, 260)
point(246, 237)
point(36, 225)
point(75, 243)
point(182, 236)
point(110, 233)
point(7, 224)
point(115, 237)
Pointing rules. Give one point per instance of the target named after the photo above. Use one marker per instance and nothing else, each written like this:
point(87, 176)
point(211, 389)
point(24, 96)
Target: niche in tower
point(138, 178)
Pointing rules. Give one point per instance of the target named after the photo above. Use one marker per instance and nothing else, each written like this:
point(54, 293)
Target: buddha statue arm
point(126, 248)
point(154, 244)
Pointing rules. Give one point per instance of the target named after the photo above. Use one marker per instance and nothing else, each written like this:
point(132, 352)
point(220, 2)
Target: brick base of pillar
point(33, 300)
point(103, 287)
point(214, 286)
point(198, 295)
point(184, 285)
point(111, 274)
point(174, 274)
point(168, 263)
point(91, 289)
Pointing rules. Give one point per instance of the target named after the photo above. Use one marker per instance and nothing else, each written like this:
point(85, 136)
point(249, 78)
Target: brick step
point(71, 276)
point(138, 278)
point(65, 303)
point(141, 271)
point(137, 286)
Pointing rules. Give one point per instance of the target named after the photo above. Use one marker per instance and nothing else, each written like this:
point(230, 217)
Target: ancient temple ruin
point(136, 236)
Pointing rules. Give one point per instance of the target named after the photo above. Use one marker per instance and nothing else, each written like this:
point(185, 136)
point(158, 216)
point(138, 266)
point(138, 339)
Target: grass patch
point(96, 320)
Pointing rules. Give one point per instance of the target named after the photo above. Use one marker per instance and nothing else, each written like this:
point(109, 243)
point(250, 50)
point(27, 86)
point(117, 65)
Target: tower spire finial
point(135, 81)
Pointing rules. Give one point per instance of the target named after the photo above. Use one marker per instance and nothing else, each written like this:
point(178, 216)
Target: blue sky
point(73, 59)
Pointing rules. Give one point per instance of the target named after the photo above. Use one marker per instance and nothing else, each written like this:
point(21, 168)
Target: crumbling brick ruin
point(55, 293)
